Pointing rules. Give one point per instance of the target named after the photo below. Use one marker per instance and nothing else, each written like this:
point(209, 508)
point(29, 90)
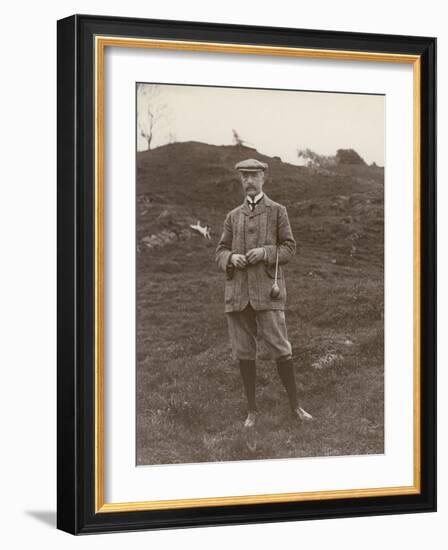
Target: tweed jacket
point(268, 227)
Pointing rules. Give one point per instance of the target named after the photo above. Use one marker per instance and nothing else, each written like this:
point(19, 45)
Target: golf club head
point(275, 291)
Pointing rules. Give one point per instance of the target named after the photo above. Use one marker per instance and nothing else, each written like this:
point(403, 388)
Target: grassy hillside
point(190, 404)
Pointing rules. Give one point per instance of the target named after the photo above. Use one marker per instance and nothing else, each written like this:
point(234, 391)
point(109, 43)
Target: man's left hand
point(255, 255)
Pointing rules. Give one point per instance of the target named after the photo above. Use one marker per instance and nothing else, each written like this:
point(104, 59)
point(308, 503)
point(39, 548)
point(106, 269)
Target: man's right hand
point(239, 261)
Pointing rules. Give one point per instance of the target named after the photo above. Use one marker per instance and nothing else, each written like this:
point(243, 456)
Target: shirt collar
point(255, 199)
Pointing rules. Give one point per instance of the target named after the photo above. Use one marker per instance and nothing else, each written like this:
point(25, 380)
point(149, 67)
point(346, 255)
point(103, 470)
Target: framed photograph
point(246, 274)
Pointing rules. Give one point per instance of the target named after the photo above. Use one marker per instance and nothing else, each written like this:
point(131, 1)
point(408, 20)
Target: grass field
point(190, 402)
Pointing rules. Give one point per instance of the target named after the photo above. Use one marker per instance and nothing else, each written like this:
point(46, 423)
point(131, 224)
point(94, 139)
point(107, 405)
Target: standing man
point(257, 240)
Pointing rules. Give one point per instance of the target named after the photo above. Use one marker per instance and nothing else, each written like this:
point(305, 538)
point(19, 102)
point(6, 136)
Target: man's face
point(252, 182)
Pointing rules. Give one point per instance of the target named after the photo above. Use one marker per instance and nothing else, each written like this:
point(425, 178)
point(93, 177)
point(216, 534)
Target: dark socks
point(286, 373)
point(248, 374)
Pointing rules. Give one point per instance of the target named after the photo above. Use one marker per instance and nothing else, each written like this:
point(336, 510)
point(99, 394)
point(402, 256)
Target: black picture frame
point(76, 511)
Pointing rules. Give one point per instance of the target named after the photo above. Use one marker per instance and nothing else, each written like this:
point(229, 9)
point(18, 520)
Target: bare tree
point(152, 111)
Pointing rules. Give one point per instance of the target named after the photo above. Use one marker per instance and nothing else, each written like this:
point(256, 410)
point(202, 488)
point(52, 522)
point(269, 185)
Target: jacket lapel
point(260, 208)
point(245, 208)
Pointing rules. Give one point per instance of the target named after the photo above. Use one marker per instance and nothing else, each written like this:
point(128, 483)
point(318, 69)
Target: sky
point(275, 122)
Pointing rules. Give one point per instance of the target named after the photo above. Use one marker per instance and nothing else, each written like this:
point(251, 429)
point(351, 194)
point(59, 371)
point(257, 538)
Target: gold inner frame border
point(100, 44)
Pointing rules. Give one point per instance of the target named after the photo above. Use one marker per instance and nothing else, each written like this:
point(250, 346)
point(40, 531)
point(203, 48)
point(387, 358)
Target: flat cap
point(251, 165)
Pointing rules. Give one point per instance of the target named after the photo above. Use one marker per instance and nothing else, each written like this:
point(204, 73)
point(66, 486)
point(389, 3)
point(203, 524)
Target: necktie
point(253, 204)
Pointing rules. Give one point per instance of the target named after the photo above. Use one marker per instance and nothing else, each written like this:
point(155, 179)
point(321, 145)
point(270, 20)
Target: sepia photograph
point(259, 274)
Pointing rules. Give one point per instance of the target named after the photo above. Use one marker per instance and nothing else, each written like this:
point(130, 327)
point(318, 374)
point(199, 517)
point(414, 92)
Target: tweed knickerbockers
point(270, 325)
